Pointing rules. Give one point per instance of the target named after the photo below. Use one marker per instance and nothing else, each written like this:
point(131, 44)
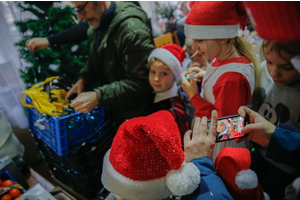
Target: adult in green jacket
point(120, 43)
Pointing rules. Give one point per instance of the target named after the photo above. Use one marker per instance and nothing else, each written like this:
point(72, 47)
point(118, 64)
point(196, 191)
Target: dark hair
point(290, 48)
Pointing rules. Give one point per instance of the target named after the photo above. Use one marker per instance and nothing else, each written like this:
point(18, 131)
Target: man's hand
point(189, 86)
point(199, 73)
point(85, 102)
point(198, 143)
point(37, 43)
point(259, 130)
point(76, 89)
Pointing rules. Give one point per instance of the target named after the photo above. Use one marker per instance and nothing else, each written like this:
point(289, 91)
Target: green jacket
point(123, 54)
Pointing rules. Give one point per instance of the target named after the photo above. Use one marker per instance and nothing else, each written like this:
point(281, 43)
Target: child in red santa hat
point(223, 133)
point(277, 161)
point(232, 77)
point(278, 101)
point(165, 69)
point(146, 161)
point(233, 167)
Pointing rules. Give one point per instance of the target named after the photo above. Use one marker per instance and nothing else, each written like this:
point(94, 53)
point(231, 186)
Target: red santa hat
point(215, 19)
point(190, 4)
point(172, 55)
point(233, 167)
point(146, 160)
point(275, 20)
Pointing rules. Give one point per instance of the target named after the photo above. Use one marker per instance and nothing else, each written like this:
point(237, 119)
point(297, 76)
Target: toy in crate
point(50, 119)
point(9, 188)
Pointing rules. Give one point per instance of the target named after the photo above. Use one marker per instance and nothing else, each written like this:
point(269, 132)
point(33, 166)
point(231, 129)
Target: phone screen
point(230, 127)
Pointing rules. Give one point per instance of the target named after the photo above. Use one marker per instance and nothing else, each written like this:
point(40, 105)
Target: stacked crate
point(73, 147)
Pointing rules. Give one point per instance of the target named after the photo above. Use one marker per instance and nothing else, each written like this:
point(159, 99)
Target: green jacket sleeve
point(135, 46)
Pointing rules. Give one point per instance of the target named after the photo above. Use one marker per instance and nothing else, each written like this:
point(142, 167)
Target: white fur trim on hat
point(185, 180)
point(296, 62)
point(180, 182)
point(169, 59)
point(210, 32)
point(246, 179)
point(120, 185)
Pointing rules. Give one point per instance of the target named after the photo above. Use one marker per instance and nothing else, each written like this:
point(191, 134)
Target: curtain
point(11, 85)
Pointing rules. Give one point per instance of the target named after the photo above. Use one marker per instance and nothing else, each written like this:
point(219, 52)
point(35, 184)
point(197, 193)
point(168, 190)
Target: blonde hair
point(188, 43)
point(153, 59)
point(245, 48)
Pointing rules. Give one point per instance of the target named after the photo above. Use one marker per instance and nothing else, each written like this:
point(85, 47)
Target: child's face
point(221, 126)
point(161, 79)
point(281, 70)
point(207, 48)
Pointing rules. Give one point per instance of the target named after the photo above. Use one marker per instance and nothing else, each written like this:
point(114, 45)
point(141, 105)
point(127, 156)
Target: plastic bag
point(48, 97)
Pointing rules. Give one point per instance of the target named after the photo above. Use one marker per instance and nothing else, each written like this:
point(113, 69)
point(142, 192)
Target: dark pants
point(273, 180)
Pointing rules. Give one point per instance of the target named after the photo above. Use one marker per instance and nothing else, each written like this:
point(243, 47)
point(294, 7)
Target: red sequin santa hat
point(146, 160)
point(172, 55)
point(233, 167)
point(215, 19)
point(275, 20)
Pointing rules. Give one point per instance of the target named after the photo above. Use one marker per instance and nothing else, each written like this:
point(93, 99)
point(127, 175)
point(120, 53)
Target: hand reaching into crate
point(85, 102)
point(76, 89)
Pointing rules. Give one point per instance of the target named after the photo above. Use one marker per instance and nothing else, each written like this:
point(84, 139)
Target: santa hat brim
point(200, 32)
point(118, 184)
point(182, 182)
point(169, 59)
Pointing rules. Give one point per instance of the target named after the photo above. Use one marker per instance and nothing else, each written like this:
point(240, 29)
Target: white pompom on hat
point(233, 167)
point(146, 160)
point(215, 19)
point(172, 55)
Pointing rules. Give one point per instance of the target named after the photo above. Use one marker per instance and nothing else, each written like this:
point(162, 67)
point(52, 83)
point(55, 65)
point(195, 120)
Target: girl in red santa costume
point(230, 80)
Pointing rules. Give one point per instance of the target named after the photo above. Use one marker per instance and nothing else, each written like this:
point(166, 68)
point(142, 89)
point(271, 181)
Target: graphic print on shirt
point(280, 114)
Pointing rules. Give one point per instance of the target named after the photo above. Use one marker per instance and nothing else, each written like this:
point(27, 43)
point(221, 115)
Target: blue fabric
point(284, 147)
point(198, 87)
point(289, 127)
point(211, 186)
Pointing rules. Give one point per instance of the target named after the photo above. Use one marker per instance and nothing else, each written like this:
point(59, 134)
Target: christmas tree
point(64, 61)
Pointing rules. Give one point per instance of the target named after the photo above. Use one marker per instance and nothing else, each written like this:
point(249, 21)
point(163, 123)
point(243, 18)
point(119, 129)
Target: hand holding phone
point(230, 127)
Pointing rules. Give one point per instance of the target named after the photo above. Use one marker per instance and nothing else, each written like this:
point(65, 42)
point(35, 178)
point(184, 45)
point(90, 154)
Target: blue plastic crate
point(61, 133)
point(4, 175)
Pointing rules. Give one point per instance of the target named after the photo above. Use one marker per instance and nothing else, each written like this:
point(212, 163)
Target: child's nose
point(275, 72)
point(156, 78)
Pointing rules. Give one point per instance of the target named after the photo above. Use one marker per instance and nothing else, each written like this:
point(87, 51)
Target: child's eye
point(164, 74)
point(269, 62)
point(288, 67)
point(152, 72)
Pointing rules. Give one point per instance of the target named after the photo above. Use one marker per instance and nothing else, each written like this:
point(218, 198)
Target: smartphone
point(230, 127)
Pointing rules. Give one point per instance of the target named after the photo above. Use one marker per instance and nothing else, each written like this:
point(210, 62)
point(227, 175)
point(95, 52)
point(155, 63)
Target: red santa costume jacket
point(226, 86)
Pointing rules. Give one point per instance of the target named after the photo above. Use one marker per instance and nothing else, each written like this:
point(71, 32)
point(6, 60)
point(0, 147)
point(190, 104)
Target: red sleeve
point(231, 91)
point(235, 134)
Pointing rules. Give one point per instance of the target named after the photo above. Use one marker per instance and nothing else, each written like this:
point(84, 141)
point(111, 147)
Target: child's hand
point(199, 73)
point(189, 86)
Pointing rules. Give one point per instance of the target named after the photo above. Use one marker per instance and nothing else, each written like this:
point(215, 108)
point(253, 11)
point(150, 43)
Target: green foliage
point(166, 11)
point(64, 61)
